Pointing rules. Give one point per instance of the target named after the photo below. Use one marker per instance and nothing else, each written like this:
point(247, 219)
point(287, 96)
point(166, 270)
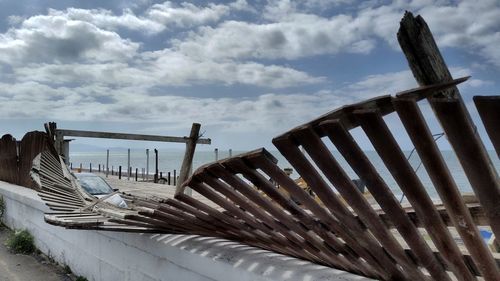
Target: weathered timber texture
point(126, 136)
point(487, 106)
point(8, 159)
point(31, 145)
point(428, 67)
point(187, 161)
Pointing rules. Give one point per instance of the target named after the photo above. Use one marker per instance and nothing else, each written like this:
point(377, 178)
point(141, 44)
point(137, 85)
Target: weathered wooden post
point(168, 178)
point(175, 177)
point(428, 67)
point(136, 170)
point(90, 167)
point(120, 172)
point(107, 162)
point(128, 164)
point(156, 166)
point(147, 164)
point(187, 162)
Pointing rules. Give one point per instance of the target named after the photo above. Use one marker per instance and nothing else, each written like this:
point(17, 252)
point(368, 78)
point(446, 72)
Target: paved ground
point(27, 267)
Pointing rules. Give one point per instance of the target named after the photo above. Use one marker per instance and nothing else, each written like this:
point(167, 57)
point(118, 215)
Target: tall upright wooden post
point(59, 143)
point(128, 164)
point(187, 162)
point(429, 67)
point(107, 162)
point(147, 164)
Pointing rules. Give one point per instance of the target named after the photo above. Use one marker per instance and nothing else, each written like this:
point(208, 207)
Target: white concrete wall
point(100, 255)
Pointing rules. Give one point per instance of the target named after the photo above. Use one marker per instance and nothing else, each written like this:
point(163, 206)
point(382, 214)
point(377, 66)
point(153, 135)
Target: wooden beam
point(187, 162)
point(125, 136)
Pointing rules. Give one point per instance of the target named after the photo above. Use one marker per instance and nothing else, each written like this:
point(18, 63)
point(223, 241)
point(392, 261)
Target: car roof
point(86, 175)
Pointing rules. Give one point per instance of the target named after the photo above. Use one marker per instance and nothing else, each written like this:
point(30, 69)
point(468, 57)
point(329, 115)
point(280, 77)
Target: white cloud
point(186, 14)
point(300, 36)
point(56, 39)
point(267, 112)
point(154, 19)
point(291, 30)
point(166, 68)
point(75, 47)
point(107, 20)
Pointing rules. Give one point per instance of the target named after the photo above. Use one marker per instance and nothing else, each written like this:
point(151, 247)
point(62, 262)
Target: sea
point(170, 160)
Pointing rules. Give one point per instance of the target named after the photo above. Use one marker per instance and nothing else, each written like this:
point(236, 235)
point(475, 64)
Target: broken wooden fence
point(342, 229)
point(16, 157)
point(248, 198)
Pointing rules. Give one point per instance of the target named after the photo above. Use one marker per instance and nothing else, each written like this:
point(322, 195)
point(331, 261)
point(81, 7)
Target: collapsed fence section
point(248, 198)
point(16, 157)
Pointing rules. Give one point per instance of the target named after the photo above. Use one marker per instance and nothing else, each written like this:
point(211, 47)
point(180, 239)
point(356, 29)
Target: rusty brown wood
point(32, 144)
point(428, 67)
point(388, 149)
point(270, 223)
point(433, 161)
point(167, 221)
point(286, 225)
point(472, 155)
point(423, 56)
point(330, 200)
point(264, 161)
point(264, 225)
point(379, 189)
point(233, 230)
point(300, 216)
point(230, 222)
point(8, 159)
point(297, 213)
point(233, 210)
point(187, 161)
point(257, 237)
point(190, 220)
point(489, 110)
point(332, 170)
point(207, 214)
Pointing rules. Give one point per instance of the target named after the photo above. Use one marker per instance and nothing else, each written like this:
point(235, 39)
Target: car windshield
point(94, 185)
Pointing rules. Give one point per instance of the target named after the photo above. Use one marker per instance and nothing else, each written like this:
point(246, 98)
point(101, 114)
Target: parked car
point(99, 188)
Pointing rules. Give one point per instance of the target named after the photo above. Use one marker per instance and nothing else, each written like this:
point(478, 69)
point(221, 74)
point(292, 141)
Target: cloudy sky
point(246, 70)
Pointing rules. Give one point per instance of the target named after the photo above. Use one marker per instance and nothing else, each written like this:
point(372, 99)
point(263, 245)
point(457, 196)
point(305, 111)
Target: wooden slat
point(394, 159)
point(110, 135)
point(330, 200)
point(473, 157)
point(433, 161)
point(332, 170)
point(489, 110)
